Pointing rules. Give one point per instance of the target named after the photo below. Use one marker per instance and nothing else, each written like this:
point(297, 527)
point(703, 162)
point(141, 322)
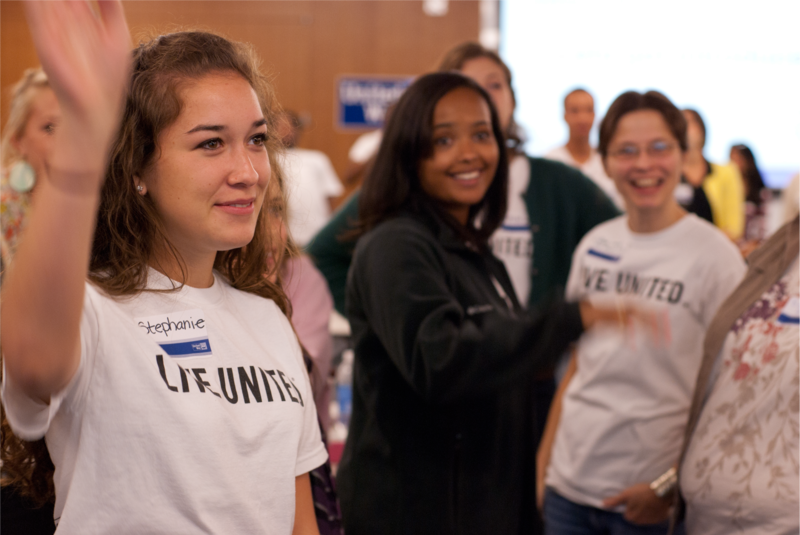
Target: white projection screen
point(736, 62)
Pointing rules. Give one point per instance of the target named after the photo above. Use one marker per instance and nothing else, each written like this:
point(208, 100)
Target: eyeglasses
point(656, 149)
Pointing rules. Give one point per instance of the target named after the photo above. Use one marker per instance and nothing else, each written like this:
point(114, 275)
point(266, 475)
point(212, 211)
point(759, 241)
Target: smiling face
point(36, 140)
point(644, 160)
point(465, 153)
point(212, 171)
point(491, 77)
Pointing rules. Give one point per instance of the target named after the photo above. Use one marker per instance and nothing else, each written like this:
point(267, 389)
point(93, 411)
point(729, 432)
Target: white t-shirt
point(740, 472)
point(593, 168)
point(624, 412)
point(310, 182)
point(513, 241)
point(190, 412)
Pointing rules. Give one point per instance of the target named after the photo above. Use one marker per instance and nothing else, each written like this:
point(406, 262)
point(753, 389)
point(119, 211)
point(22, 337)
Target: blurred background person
point(757, 197)
point(33, 115)
point(579, 116)
point(28, 495)
point(721, 184)
point(308, 294)
point(311, 182)
point(616, 425)
point(311, 306)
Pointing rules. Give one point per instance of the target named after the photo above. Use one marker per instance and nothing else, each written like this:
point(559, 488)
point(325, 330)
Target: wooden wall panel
point(305, 45)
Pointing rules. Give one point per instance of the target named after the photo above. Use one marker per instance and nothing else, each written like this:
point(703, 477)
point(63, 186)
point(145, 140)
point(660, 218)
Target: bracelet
point(665, 483)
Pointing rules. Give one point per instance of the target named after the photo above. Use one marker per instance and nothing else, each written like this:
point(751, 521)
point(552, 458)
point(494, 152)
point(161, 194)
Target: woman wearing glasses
point(617, 422)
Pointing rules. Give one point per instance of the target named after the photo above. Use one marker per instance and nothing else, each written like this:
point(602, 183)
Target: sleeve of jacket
point(332, 251)
point(399, 288)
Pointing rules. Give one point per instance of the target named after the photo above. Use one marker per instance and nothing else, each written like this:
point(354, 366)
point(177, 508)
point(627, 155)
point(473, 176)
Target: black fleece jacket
point(441, 436)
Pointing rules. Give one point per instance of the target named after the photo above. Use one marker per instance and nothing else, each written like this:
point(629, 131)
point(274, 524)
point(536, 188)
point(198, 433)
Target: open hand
point(87, 58)
point(642, 506)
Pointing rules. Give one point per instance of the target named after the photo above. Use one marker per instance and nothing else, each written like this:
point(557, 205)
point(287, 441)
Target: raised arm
point(87, 59)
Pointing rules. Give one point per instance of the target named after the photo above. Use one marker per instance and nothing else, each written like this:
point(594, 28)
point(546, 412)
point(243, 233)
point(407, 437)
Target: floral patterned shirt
point(740, 473)
point(14, 207)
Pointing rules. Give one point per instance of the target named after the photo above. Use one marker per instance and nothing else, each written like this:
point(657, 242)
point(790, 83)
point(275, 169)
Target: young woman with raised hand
point(170, 387)
point(615, 429)
point(442, 428)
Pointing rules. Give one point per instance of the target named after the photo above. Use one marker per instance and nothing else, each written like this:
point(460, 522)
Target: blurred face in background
point(739, 160)
point(644, 159)
point(491, 77)
point(579, 114)
point(465, 153)
point(35, 142)
point(694, 133)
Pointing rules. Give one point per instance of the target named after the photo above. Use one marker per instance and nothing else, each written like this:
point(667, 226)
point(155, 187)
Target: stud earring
point(140, 189)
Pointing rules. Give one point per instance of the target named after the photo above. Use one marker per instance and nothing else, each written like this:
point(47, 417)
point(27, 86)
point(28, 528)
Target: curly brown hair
point(129, 227)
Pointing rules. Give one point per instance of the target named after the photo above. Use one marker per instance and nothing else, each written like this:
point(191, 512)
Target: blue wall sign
point(362, 100)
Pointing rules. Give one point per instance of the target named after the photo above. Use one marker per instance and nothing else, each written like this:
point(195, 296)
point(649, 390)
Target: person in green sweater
point(551, 206)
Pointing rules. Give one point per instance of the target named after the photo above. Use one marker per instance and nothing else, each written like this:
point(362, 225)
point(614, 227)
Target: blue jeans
point(564, 517)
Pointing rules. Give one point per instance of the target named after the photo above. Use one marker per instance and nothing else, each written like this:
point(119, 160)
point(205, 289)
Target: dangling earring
point(22, 177)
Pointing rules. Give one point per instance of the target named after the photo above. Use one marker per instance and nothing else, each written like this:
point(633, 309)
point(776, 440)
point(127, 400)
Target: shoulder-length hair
point(393, 183)
point(128, 225)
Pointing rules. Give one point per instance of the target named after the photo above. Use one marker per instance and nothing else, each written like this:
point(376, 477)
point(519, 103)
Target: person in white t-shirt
point(578, 152)
point(170, 386)
point(615, 429)
point(311, 183)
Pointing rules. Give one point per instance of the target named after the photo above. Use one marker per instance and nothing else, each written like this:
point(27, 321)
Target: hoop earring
point(22, 177)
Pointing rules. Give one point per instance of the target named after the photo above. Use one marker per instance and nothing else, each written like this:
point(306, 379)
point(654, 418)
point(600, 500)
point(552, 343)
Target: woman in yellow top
point(722, 184)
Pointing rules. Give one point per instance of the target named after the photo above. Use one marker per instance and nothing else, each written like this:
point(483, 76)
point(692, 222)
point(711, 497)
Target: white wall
point(737, 62)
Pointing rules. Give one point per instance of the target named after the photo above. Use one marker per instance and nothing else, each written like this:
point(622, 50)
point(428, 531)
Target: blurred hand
point(87, 58)
point(642, 506)
point(626, 317)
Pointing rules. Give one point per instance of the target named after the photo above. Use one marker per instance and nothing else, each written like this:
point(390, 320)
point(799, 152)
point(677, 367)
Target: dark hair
point(393, 185)
point(753, 181)
point(572, 92)
point(696, 117)
point(455, 59)
point(632, 101)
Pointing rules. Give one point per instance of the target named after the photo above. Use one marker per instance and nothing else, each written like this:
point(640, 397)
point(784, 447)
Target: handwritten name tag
point(180, 334)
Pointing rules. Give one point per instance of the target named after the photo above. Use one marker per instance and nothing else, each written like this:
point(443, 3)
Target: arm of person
point(305, 520)
point(553, 421)
point(87, 60)
point(399, 285)
point(332, 251)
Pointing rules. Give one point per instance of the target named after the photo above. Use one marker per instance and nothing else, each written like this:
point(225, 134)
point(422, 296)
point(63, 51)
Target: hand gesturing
point(86, 56)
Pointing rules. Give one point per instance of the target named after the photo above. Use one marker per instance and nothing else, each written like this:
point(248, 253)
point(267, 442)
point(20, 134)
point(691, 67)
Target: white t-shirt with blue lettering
point(512, 242)
point(624, 412)
point(190, 412)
